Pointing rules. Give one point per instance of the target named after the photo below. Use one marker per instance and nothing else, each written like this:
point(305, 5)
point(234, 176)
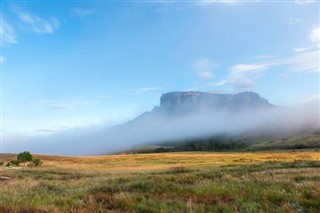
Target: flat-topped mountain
point(192, 101)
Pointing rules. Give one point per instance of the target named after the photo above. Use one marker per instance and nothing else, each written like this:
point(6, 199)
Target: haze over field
point(73, 80)
point(162, 125)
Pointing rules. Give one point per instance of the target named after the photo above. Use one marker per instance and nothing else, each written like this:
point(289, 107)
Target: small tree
point(24, 157)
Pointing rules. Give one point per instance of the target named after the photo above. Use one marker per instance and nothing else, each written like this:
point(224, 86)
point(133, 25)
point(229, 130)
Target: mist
point(158, 128)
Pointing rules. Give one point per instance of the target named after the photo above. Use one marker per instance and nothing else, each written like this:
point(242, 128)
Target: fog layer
point(159, 128)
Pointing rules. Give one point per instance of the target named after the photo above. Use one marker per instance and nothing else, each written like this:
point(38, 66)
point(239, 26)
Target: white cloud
point(147, 89)
point(311, 98)
point(302, 49)
point(304, 60)
point(207, 2)
point(293, 21)
point(56, 105)
point(206, 75)
point(81, 12)
point(229, 1)
point(220, 83)
point(307, 61)
point(242, 84)
point(315, 35)
point(2, 59)
point(203, 64)
point(204, 68)
point(302, 2)
point(242, 76)
point(7, 34)
point(62, 106)
point(245, 69)
point(38, 24)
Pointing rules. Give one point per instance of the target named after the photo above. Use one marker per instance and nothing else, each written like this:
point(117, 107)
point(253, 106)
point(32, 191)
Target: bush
point(13, 163)
point(37, 162)
point(24, 156)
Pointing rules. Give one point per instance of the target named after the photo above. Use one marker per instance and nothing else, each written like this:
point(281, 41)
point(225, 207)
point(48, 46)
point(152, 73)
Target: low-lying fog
point(153, 129)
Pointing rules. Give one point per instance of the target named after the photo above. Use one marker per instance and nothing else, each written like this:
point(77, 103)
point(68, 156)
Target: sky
point(69, 64)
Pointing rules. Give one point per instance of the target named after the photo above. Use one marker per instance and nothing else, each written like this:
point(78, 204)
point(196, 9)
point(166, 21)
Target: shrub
point(13, 163)
point(37, 162)
point(24, 156)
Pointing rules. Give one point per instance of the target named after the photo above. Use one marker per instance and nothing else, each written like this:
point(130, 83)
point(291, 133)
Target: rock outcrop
point(193, 100)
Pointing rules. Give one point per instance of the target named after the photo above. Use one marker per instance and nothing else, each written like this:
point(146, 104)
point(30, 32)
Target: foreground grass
point(174, 182)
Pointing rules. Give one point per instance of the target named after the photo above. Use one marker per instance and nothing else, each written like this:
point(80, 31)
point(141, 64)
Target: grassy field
point(170, 182)
point(307, 141)
point(224, 143)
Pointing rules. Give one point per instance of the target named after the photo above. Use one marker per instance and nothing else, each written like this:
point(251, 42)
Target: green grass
point(268, 186)
point(224, 143)
point(308, 141)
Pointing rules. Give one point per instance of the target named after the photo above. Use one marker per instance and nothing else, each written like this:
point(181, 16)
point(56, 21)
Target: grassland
point(167, 182)
point(307, 141)
point(243, 143)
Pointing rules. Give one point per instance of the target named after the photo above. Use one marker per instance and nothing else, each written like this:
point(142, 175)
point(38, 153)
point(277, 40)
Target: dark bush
point(24, 156)
point(13, 163)
point(37, 162)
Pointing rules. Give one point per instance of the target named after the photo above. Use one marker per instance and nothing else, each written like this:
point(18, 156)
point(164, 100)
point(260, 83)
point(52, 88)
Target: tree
point(24, 157)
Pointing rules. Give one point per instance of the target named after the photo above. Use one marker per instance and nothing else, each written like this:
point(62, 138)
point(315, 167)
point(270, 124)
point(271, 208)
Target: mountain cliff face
point(184, 102)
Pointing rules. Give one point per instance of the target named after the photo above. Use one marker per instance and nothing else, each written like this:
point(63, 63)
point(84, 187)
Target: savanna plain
point(277, 181)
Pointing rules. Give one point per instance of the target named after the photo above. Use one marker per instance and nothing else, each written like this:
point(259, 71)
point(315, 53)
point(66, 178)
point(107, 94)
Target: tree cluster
point(24, 158)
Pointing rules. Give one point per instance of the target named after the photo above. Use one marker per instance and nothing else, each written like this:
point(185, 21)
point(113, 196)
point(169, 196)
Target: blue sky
point(71, 64)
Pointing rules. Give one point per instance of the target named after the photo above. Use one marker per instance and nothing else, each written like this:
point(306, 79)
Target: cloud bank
point(148, 129)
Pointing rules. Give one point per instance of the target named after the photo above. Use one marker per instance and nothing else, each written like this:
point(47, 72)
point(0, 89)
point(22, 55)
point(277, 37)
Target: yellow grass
point(166, 182)
point(147, 162)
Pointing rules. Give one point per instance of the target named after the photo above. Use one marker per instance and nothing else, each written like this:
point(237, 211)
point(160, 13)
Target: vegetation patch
point(197, 182)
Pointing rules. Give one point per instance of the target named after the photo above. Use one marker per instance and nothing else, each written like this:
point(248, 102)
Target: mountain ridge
point(181, 103)
point(175, 100)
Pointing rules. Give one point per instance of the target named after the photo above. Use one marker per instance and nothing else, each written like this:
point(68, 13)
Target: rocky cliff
point(193, 100)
